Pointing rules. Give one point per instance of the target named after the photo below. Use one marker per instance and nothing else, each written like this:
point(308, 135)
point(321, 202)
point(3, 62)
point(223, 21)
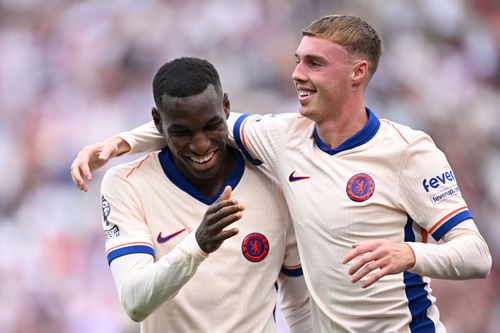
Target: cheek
point(176, 144)
point(220, 137)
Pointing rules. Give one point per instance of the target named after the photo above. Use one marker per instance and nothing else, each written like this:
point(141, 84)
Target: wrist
point(411, 259)
point(122, 146)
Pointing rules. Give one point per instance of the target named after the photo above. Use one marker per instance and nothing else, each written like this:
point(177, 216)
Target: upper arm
point(124, 223)
point(260, 138)
point(428, 188)
point(143, 138)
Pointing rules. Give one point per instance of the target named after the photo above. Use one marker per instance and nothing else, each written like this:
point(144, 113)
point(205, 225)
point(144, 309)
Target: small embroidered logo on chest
point(360, 187)
point(255, 247)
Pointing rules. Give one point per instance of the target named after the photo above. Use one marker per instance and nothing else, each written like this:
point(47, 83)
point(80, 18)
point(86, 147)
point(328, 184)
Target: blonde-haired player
point(364, 194)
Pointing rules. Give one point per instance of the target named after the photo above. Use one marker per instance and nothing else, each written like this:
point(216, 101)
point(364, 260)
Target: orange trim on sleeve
point(243, 140)
point(438, 224)
point(425, 234)
point(292, 267)
point(139, 165)
point(243, 132)
point(400, 134)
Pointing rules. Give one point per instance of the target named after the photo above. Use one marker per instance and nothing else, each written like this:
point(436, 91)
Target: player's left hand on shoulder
point(379, 257)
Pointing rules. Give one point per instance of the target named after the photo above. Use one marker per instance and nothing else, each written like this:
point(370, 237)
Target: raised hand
point(210, 233)
point(92, 157)
point(381, 256)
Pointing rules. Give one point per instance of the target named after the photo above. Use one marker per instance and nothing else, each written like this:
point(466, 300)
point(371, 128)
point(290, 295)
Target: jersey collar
point(361, 137)
point(183, 183)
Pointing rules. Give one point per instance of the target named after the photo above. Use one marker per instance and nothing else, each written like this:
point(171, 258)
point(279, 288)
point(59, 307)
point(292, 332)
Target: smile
point(304, 93)
point(201, 159)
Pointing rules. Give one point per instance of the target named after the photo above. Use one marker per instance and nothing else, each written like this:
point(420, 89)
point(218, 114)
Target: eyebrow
point(176, 126)
point(309, 57)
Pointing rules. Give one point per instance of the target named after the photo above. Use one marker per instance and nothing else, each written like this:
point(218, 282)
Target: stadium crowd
point(76, 72)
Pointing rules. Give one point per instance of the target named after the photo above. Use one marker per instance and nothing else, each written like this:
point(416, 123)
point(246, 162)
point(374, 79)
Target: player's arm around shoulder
point(260, 137)
point(92, 157)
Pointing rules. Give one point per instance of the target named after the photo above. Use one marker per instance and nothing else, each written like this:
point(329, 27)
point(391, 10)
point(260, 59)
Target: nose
point(298, 73)
point(200, 144)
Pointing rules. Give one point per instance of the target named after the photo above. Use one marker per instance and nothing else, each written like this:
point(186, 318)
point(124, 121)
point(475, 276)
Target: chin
point(304, 111)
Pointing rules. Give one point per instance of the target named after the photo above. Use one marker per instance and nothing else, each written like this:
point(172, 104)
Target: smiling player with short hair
point(364, 193)
point(184, 255)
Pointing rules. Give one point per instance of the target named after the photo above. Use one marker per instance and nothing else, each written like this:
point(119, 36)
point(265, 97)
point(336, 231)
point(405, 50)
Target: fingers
point(355, 252)
point(377, 258)
point(89, 159)
point(225, 234)
point(361, 262)
point(224, 209)
point(370, 266)
point(211, 233)
point(226, 194)
point(375, 277)
point(227, 216)
point(80, 170)
point(85, 168)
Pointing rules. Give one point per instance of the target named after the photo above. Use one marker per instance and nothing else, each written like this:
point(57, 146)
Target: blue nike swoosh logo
point(294, 178)
point(161, 239)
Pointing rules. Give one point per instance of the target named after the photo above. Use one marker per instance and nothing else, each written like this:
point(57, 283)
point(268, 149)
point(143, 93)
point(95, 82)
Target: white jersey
point(149, 208)
point(386, 182)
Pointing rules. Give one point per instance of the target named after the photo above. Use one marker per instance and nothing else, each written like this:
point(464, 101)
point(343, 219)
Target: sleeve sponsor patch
point(106, 209)
point(111, 233)
point(446, 194)
point(110, 230)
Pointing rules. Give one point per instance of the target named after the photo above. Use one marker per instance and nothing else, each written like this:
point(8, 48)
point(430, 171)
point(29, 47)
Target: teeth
point(201, 159)
point(303, 93)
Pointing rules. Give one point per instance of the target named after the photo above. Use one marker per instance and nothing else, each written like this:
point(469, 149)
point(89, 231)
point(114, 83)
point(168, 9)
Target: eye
point(315, 63)
point(179, 133)
point(214, 126)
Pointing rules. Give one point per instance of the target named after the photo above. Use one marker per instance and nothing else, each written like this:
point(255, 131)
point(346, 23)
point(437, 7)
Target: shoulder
point(129, 170)
point(403, 134)
point(275, 120)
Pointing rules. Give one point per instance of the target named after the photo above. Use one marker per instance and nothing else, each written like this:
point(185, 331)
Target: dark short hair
point(184, 77)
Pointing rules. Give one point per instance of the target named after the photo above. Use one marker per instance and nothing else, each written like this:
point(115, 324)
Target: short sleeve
point(259, 137)
point(143, 138)
point(124, 224)
point(428, 188)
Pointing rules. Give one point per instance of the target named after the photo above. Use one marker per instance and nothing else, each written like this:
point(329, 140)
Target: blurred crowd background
point(76, 72)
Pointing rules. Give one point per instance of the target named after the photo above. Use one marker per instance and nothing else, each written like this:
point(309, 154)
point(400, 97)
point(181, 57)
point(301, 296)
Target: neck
point(341, 125)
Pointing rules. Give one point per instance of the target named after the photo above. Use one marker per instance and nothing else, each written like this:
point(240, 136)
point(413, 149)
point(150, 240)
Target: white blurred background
point(76, 72)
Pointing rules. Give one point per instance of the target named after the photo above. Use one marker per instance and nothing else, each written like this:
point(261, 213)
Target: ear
point(359, 73)
point(157, 120)
point(227, 105)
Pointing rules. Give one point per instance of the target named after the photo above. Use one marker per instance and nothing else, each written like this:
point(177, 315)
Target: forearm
point(144, 285)
point(143, 138)
point(294, 303)
point(464, 255)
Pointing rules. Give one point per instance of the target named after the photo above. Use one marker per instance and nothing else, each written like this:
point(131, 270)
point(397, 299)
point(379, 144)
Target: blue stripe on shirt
point(239, 142)
point(129, 250)
point(418, 303)
point(446, 226)
point(292, 271)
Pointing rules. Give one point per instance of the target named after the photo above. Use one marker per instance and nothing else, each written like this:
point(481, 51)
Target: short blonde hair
point(351, 32)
